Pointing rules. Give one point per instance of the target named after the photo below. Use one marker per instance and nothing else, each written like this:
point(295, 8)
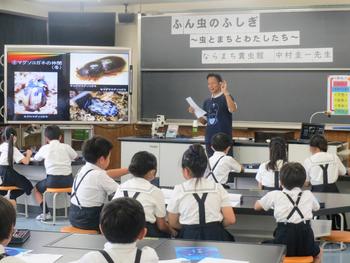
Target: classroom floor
point(33, 224)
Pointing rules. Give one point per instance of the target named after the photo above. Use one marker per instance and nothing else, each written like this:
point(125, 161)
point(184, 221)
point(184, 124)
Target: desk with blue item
point(73, 246)
point(35, 172)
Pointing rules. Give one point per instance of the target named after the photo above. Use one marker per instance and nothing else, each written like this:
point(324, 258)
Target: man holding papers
point(217, 110)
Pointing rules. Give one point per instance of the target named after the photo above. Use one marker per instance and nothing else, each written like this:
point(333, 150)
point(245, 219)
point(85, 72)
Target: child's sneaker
point(43, 217)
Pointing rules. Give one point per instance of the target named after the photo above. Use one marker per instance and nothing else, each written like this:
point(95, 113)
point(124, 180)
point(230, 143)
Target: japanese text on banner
point(248, 56)
point(215, 24)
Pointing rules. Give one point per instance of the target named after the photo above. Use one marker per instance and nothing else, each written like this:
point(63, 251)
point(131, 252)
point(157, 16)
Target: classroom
point(174, 131)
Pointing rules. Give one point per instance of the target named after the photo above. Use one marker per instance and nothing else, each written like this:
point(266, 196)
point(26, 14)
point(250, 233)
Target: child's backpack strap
point(106, 256)
point(110, 260)
point(325, 172)
point(138, 256)
point(211, 172)
point(126, 194)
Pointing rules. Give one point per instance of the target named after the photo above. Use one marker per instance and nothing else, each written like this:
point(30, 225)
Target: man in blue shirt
point(219, 110)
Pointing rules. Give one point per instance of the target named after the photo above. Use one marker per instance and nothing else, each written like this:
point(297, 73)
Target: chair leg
point(26, 206)
point(54, 208)
point(44, 205)
point(65, 206)
point(342, 222)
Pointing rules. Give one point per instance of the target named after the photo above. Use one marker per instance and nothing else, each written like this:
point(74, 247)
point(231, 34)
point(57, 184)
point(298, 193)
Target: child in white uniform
point(123, 224)
point(143, 167)
point(221, 164)
point(323, 168)
point(268, 173)
point(293, 210)
point(200, 208)
point(92, 185)
point(9, 154)
point(58, 158)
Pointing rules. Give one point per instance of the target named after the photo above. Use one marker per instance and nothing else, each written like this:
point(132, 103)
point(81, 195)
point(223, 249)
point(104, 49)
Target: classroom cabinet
point(168, 159)
point(128, 149)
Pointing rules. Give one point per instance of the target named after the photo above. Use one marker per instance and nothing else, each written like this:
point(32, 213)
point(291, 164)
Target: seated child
point(7, 224)
point(122, 223)
point(200, 208)
point(143, 167)
point(323, 168)
point(293, 210)
point(92, 185)
point(268, 173)
point(58, 158)
point(220, 163)
point(8, 155)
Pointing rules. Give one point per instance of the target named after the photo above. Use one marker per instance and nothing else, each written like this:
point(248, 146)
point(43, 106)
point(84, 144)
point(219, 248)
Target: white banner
point(252, 56)
point(215, 24)
point(283, 38)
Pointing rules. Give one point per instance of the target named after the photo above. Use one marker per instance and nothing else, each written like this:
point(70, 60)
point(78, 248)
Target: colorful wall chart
point(338, 96)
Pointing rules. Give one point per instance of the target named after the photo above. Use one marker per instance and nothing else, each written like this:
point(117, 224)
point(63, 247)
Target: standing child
point(122, 223)
point(58, 158)
point(143, 167)
point(7, 224)
point(92, 185)
point(323, 168)
point(268, 173)
point(221, 164)
point(199, 207)
point(293, 210)
point(8, 155)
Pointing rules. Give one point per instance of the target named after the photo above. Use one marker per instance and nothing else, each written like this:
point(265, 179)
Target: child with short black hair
point(221, 164)
point(323, 168)
point(199, 207)
point(92, 185)
point(58, 158)
point(122, 223)
point(293, 210)
point(268, 172)
point(9, 154)
point(7, 224)
point(143, 167)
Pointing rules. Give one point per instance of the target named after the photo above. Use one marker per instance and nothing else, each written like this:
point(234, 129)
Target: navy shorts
point(55, 181)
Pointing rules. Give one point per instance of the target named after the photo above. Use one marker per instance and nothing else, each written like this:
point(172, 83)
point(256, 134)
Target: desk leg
point(342, 245)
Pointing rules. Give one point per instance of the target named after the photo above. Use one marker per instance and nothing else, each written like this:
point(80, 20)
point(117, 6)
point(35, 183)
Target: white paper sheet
point(167, 194)
point(220, 260)
point(235, 199)
point(198, 111)
point(178, 260)
point(39, 258)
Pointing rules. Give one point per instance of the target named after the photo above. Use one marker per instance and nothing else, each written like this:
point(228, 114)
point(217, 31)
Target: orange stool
point(308, 259)
point(75, 230)
point(12, 188)
point(337, 236)
point(55, 192)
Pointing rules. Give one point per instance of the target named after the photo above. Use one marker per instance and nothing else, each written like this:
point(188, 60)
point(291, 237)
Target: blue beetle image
point(35, 92)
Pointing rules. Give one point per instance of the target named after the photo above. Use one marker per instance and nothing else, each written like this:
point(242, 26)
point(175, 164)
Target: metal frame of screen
point(67, 49)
